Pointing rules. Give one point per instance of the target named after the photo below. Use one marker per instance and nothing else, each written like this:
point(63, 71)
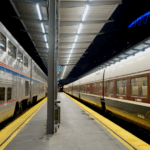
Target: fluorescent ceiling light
point(42, 27)
point(45, 38)
point(71, 50)
point(2, 45)
point(63, 72)
point(79, 29)
point(47, 45)
point(85, 12)
point(73, 46)
point(76, 38)
point(39, 12)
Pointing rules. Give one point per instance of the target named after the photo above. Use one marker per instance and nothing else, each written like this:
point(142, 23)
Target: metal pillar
point(56, 49)
point(51, 61)
point(55, 82)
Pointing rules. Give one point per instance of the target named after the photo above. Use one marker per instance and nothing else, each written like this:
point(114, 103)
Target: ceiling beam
point(42, 48)
point(66, 64)
point(40, 2)
point(74, 34)
point(73, 23)
point(43, 55)
point(147, 44)
point(63, 49)
point(39, 41)
point(63, 23)
point(67, 58)
point(42, 51)
point(46, 22)
point(68, 43)
point(65, 4)
point(34, 32)
point(62, 34)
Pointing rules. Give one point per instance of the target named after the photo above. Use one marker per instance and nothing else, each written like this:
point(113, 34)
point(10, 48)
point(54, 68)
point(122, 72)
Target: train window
point(8, 94)
point(2, 42)
point(20, 57)
point(2, 94)
point(26, 88)
point(88, 88)
point(76, 88)
point(81, 88)
point(121, 87)
point(25, 61)
point(97, 87)
point(101, 87)
point(109, 87)
point(139, 86)
point(11, 50)
point(35, 69)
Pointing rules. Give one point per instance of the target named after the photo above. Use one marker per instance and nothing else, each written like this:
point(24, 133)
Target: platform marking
point(125, 137)
point(9, 132)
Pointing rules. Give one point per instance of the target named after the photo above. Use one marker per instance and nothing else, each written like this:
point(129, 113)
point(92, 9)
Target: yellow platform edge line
point(17, 125)
point(110, 126)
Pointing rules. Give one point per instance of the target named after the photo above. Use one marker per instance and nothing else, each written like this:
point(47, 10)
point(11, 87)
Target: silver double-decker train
point(22, 82)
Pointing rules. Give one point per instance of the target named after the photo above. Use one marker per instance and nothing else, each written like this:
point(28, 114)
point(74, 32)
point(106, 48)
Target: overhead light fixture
point(63, 72)
point(45, 38)
point(42, 27)
point(79, 29)
point(73, 46)
point(2, 45)
point(85, 12)
point(39, 12)
point(76, 38)
point(47, 45)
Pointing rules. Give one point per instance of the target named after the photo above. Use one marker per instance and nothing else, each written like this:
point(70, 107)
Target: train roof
point(132, 65)
point(17, 45)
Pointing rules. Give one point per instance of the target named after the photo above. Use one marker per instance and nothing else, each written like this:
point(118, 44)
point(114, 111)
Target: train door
point(2, 102)
point(6, 104)
point(10, 105)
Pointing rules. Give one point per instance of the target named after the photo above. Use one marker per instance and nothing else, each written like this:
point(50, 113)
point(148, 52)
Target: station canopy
point(78, 23)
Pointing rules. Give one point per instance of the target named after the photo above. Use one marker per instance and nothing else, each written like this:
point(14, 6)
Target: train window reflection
point(81, 88)
point(2, 94)
point(139, 86)
point(109, 87)
point(88, 88)
point(26, 88)
point(8, 94)
point(2, 42)
point(20, 57)
point(25, 62)
point(121, 87)
point(11, 50)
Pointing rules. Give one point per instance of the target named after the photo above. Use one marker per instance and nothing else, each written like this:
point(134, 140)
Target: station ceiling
point(91, 48)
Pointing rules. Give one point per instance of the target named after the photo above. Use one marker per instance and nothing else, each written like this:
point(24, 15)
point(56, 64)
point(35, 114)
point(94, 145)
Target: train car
point(122, 89)
point(22, 82)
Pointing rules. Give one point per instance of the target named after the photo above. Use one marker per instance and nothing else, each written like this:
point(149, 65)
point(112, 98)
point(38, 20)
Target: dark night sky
point(117, 33)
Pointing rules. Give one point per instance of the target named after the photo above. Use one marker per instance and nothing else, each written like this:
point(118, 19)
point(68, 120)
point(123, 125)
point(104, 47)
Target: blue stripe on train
point(17, 74)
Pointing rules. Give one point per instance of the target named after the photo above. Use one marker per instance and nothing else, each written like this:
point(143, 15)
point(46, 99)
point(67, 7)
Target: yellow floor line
point(9, 132)
point(128, 139)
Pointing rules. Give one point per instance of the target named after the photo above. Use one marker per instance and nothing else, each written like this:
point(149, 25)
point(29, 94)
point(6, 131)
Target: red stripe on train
point(11, 68)
point(10, 102)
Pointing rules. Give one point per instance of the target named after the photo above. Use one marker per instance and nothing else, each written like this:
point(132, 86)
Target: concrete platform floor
point(78, 131)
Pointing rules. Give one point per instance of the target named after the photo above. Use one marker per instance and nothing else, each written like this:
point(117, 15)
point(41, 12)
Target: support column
point(51, 61)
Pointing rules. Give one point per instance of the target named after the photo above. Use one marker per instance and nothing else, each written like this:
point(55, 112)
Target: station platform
point(77, 131)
